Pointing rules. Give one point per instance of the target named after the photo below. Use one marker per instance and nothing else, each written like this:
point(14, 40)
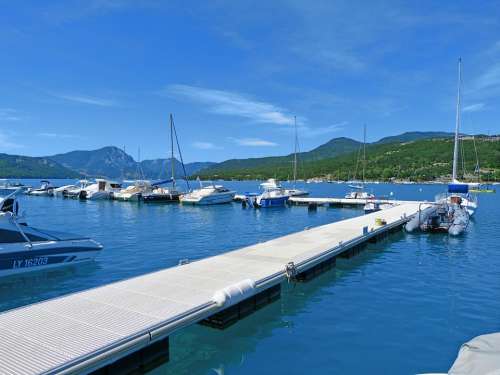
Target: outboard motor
point(83, 194)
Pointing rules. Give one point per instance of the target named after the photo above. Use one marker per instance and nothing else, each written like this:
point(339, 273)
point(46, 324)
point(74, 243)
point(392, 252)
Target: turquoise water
point(403, 306)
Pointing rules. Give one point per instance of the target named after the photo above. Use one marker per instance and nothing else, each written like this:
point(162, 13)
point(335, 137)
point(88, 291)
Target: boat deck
point(88, 330)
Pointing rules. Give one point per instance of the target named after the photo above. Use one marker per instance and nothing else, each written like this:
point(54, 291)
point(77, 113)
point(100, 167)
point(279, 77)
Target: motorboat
point(24, 248)
point(133, 192)
point(162, 194)
point(62, 191)
point(441, 217)
point(208, 195)
point(272, 196)
point(359, 195)
point(372, 206)
point(45, 189)
point(102, 189)
point(74, 191)
point(7, 186)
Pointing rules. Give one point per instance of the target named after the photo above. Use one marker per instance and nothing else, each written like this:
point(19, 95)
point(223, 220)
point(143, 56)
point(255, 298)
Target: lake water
point(403, 306)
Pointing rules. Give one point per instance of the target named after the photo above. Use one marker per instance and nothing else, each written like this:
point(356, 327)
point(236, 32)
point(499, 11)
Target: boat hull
point(208, 200)
point(18, 258)
point(161, 197)
point(272, 202)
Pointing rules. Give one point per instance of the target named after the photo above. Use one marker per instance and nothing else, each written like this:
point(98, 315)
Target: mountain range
point(114, 163)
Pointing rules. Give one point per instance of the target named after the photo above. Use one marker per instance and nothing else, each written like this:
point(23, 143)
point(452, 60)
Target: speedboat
point(75, 190)
point(24, 248)
point(102, 189)
point(272, 196)
point(9, 187)
point(359, 195)
point(45, 189)
point(206, 195)
point(133, 192)
point(162, 194)
point(370, 207)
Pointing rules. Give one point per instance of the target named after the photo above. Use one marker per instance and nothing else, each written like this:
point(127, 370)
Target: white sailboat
point(295, 192)
point(360, 192)
point(459, 191)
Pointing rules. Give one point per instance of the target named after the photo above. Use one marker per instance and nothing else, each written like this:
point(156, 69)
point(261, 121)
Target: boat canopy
point(162, 182)
point(458, 188)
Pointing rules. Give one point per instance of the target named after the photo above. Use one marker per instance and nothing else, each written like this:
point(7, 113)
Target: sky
point(83, 74)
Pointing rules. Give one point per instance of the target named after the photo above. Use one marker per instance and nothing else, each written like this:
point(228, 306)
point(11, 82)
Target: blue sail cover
point(458, 188)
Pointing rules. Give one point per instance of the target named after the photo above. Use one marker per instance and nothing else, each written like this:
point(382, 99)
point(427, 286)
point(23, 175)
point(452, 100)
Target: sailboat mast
point(457, 123)
point(364, 153)
point(172, 164)
point(295, 154)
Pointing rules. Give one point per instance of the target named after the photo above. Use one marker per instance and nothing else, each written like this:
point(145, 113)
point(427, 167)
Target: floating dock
point(124, 326)
point(343, 202)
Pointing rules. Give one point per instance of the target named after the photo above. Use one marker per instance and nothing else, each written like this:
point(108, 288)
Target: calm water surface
point(403, 306)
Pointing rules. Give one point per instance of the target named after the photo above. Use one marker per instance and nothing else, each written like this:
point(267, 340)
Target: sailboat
point(459, 191)
point(139, 187)
point(294, 192)
point(360, 193)
point(168, 194)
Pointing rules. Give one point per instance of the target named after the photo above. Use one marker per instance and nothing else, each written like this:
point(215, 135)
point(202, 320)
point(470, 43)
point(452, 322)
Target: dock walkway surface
point(344, 201)
point(85, 331)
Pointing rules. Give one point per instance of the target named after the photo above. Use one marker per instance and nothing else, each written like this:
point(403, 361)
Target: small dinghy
point(24, 248)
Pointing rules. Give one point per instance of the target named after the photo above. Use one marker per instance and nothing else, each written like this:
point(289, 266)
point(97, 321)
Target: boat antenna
point(295, 153)
point(180, 153)
point(172, 164)
point(457, 122)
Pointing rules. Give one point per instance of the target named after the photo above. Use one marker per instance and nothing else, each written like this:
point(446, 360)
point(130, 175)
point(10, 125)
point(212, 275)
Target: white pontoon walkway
point(343, 201)
point(85, 331)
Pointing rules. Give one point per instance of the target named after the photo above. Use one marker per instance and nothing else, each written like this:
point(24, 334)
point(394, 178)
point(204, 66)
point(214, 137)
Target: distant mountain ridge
point(113, 162)
point(17, 166)
point(331, 149)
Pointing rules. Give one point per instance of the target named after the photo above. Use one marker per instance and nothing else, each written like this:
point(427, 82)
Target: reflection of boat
point(168, 194)
point(102, 189)
point(206, 195)
point(45, 189)
point(24, 248)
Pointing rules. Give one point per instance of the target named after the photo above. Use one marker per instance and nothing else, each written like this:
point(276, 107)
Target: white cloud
point(233, 104)
point(58, 135)
point(253, 142)
point(6, 143)
point(205, 145)
point(86, 100)
point(475, 107)
point(309, 132)
point(9, 114)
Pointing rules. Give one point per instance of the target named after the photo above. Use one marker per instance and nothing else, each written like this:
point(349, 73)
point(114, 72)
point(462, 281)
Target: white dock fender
point(235, 293)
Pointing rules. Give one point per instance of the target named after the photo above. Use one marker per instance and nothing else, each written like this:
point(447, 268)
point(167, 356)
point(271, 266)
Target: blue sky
point(86, 74)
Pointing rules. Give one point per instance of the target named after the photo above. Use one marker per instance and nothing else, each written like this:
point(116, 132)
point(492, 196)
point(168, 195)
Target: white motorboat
point(359, 195)
point(208, 195)
point(75, 190)
point(102, 189)
point(8, 187)
point(134, 192)
point(24, 248)
point(45, 189)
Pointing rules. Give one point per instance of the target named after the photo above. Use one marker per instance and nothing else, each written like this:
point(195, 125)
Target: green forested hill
point(420, 160)
point(15, 166)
